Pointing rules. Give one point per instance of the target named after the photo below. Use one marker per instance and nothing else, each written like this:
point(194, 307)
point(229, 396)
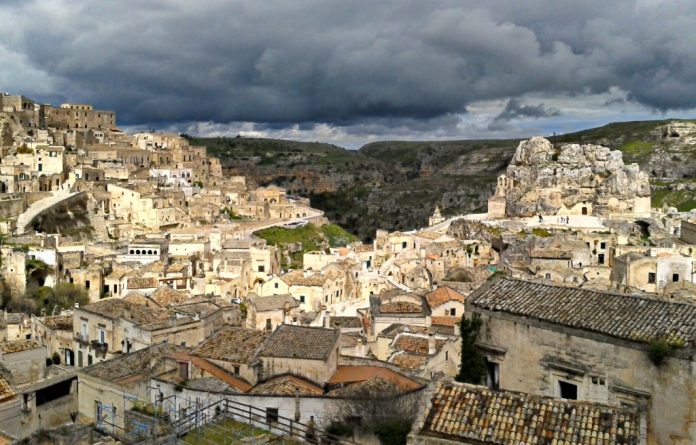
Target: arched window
point(137, 252)
point(149, 252)
point(132, 251)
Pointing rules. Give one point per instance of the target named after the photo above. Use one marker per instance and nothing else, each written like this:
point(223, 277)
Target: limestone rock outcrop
point(11, 131)
point(571, 179)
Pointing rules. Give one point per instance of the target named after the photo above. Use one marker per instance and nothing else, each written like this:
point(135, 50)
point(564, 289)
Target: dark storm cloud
point(393, 63)
point(514, 109)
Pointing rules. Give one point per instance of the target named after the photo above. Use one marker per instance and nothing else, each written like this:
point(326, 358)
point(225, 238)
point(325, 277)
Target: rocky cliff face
point(11, 131)
point(544, 179)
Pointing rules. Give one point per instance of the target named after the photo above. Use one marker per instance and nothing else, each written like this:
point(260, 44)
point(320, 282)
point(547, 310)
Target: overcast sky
point(350, 72)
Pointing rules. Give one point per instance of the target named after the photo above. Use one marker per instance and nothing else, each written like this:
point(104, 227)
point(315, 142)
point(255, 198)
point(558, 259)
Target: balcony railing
point(82, 338)
point(100, 348)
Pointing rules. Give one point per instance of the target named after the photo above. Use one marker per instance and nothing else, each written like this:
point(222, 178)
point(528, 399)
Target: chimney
point(327, 319)
point(431, 344)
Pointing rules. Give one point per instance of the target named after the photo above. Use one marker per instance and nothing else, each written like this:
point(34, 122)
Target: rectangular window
point(83, 329)
point(236, 370)
point(87, 284)
point(79, 359)
point(600, 258)
point(272, 415)
point(302, 298)
point(602, 245)
point(675, 277)
point(568, 390)
point(268, 324)
point(492, 375)
point(651, 278)
point(183, 370)
point(276, 285)
point(262, 268)
point(403, 245)
point(453, 312)
point(102, 336)
point(89, 360)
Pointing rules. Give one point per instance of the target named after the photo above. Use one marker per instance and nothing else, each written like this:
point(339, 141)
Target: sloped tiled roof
point(353, 374)
point(415, 344)
point(232, 344)
point(121, 308)
point(298, 278)
point(59, 322)
point(287, 385)
point(302, 342)
point(9, 347)
point(409, 361)
point(475, 414)
point(446, 321)
point(376, 387)
point(6, 391)
point(142, 283)
point(443, 295)
point(128, 365)
point(165, 296)
point(273, 302)
point(628, 317)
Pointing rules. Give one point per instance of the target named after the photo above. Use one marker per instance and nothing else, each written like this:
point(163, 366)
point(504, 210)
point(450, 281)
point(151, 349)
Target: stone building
point(589, 346)
point(308, 352)
point(267, 313)
point(79, 116)
point(652, 272)
point(397, 307)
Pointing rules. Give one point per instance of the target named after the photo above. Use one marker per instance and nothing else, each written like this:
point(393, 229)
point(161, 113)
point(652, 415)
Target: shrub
point(392, 432)
point(339, 429)
point(660, 350)
point(473, 366)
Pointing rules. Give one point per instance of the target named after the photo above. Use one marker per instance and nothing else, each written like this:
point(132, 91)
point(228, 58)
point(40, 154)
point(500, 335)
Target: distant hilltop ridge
point(569, 179)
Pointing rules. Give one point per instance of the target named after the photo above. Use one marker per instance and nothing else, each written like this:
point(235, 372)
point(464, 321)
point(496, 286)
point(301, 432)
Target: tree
point(473, 366)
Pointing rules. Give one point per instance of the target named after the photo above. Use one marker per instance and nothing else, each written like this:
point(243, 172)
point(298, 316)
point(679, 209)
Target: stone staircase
point(98, 222)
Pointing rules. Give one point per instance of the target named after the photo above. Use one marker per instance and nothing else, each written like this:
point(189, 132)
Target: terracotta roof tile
point(628, 317)
point(302, 342)
point(475, 414)
point(299, 278)
point(6, 391)
point(414, 344)
point(409, 361)
point(374, 388)
point(129, 365)
point(287, 385)
point(443, 295)
point(59, 322)
point(165, 296)
point(9, 347)
point(445, 321)
point(236, 345)
point(273, 302)
point(352, 374)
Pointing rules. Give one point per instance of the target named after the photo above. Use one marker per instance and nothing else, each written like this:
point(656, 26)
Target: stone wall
point(11, 207)
point(688, 232)
point(533, 357)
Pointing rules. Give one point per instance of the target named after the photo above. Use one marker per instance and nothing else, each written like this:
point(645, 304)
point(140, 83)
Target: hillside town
point(149, 298)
